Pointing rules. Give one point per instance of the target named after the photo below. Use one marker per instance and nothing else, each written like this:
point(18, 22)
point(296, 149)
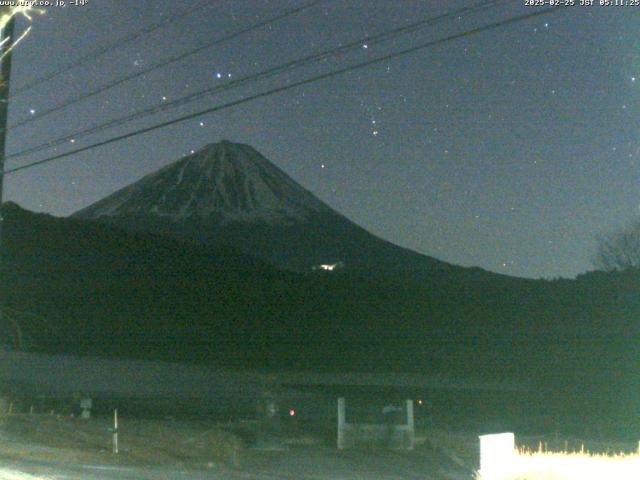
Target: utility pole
point(6, 35)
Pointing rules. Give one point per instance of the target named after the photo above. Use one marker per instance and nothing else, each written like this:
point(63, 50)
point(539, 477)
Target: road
point(304, 463)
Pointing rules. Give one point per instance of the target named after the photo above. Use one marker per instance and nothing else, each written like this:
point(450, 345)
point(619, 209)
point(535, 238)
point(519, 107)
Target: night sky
point(509, 150)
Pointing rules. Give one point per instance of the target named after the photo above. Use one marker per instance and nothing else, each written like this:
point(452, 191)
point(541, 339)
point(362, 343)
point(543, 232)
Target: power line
point(300, 83)
point(98, 52)
point(174, 59)
point(287, 66)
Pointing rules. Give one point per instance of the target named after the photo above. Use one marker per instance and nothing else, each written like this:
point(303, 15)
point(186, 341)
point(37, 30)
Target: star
point(32, 111)
point(218, 75)
point(633, 79)
point(201, 124)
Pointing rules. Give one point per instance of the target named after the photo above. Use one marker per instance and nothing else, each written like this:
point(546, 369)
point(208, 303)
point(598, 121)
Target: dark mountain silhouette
point(91, 288)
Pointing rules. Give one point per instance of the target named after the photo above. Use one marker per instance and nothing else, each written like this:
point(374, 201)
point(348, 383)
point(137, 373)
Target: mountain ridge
point(230, 193)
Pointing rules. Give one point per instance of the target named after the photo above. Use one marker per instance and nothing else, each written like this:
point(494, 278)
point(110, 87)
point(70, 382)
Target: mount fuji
point(228, 193)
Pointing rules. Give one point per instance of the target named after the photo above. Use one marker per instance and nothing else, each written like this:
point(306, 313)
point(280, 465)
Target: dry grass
point(539, 464)
point(567, 466)
point(141, 442)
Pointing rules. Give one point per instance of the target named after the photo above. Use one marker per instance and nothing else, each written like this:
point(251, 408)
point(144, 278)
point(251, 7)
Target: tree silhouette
point(619, 250)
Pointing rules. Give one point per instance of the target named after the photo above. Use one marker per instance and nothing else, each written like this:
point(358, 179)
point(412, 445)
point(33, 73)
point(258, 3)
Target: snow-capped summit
point(230, 181)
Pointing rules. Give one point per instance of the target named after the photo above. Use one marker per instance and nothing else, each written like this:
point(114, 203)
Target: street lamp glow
point(5, 18)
